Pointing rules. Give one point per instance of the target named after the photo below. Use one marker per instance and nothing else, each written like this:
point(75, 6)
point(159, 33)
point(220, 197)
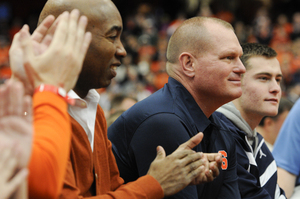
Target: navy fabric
point(168, 118)
point(257, 170)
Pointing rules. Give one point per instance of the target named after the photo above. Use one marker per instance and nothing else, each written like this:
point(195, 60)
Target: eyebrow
point(269, 74)
point(114, 28)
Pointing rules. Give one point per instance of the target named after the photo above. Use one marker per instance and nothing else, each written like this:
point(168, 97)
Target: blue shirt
point(168, 118)
point(287, 146)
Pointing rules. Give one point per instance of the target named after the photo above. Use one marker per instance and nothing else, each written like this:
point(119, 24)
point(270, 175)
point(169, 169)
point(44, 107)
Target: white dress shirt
point(84, 112)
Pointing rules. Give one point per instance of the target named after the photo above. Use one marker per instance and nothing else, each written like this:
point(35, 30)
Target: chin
point(105, 84)
point(236, 94)
point(271, 113)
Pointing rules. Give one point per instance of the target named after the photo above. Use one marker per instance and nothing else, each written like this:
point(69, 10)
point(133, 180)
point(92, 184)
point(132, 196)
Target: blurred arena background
point(148, 25)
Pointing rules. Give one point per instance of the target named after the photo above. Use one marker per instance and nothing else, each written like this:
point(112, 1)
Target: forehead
point(261, 64)
point(103, 17)
point(223, 40)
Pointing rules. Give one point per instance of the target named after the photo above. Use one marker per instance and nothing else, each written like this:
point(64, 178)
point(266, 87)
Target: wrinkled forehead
point(224, 41)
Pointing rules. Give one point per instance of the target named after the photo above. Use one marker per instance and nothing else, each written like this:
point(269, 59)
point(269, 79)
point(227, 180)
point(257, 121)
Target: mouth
point(114, 68)
point(236, 81)
point(274, 100)
point(235, 78)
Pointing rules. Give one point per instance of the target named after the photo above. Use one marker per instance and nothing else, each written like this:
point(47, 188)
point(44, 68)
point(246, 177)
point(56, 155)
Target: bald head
point(106, 49)
point(192, 36)
point(91, 8)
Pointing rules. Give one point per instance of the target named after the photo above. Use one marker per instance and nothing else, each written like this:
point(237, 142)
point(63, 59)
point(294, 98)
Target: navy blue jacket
point(168, 118)
point(257, 170)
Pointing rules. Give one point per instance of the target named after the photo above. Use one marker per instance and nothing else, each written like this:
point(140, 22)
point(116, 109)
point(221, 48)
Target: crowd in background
point(145, 37)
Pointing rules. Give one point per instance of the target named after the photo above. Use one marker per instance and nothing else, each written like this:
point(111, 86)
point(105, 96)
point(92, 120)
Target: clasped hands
point(184, 166)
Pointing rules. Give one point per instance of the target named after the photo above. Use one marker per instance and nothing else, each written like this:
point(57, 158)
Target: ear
point(187, 63)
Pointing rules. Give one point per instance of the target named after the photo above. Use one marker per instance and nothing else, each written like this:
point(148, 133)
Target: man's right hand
point(183, 167)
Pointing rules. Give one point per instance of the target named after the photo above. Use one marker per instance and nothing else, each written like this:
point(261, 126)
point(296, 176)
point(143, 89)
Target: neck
point(207, 105)
point(81, 92)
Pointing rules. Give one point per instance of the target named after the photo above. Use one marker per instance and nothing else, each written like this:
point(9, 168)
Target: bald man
point(205, 72)
point(91, 169)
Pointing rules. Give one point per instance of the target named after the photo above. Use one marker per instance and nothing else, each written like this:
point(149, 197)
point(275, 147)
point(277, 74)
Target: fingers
point(16, 57)
point(191, 143)
point(4, 100)
point(26, 44)
point(81, 35)
point(73, 29)
point(41, 30)
point(83, 39)
point(16, 181)
point(8, 161)
point(15, 44)
point(16, 93)
point(214, 157)
point(215, 170)
point(61, 31)
point(85, 45)
point(46, 41)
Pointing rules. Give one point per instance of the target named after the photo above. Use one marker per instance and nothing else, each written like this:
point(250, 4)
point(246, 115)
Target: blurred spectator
point(241, 31)
point(119, 104)
point(296, 26)
point(263, 27)
point(282, 30)
point(293, 92)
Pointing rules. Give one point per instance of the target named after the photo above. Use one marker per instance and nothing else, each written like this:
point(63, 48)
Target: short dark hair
point(256, 49)
point(118, 99)
point(284, 105)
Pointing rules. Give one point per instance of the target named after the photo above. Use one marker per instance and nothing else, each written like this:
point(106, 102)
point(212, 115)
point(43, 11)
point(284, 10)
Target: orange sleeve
point(51, 146)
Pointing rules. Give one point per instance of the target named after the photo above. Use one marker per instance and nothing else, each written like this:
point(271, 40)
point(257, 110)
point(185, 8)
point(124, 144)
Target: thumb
point(160, 153)
point(194, 141)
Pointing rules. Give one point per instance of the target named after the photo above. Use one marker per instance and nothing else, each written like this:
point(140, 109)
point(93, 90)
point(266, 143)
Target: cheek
point(251, 94)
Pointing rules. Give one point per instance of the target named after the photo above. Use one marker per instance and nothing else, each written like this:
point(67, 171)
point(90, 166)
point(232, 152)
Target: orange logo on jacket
point(224, 160)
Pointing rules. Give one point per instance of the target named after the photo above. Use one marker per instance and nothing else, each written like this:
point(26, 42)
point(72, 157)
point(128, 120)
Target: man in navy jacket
point(257, 170)
point(205, 73)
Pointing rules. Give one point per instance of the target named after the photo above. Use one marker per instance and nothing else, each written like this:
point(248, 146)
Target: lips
point(234, 78)
point(272, 100)
point(114, 68)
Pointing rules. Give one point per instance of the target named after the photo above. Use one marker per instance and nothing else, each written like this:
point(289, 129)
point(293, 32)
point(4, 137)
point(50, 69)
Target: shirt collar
point(186, 99)
point(92, 95)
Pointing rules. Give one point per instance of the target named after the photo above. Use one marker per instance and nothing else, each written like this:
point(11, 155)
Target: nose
point(275, 86)
point(239, 68)
point(121, 52)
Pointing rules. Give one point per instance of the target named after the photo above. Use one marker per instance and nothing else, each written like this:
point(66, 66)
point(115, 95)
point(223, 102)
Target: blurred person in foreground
point(286, 151)
point(256, 170)
point(91, 168)
point(269, 126)
point(205, 72)
point(12, 104)
point(52, 58)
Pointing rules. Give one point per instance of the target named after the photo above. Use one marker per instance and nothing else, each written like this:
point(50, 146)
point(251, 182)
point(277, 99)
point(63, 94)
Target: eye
point(263, 78)
point(230, 57)
point(278, 80)
point(113, 37)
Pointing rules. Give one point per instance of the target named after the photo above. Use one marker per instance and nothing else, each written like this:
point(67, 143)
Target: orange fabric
point(95, 174)
point(51, 145)
point(160, 80)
